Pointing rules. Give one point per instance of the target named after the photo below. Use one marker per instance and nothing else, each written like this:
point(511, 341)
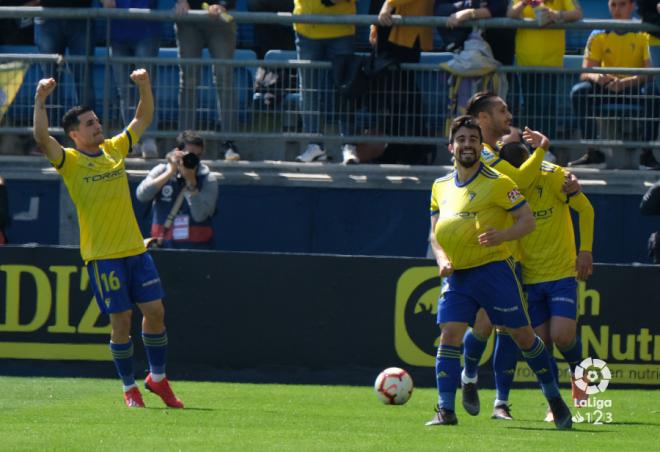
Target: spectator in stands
point(501, 41)
point(395, 93)
point(649, 10)
point(219, 35)
point(5, 218)
point(133, 38)
point(318, 42)
point(184, 194)
point(17, 31)
point(651, 206)
point(615, 49)
point(536, 47)
point(271, 36)
point(74, 35)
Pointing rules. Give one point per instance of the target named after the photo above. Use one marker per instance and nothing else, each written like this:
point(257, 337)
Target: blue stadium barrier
point(280, 55)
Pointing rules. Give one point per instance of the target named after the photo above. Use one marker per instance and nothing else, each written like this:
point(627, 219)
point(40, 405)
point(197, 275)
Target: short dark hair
point(466, 121)
point(189, 137)
point(515, 153)
point(71, 120)
point(481, 101)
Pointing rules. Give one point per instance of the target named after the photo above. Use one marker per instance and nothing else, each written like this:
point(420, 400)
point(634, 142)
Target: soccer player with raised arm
point(550, 263)
point(474, 211)
point(495, 121)
point(121, 271)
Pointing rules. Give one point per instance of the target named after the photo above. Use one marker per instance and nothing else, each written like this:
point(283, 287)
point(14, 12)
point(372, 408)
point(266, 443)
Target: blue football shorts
point(551, 299)
point(493, 286)
point(119, 283)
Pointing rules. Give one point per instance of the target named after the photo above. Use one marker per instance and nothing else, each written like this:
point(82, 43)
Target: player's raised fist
point(140, 76)
point(45, 87)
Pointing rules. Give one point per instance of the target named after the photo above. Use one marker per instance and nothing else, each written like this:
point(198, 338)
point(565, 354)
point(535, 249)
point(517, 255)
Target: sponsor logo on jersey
point(514, 195)
point(105, 177)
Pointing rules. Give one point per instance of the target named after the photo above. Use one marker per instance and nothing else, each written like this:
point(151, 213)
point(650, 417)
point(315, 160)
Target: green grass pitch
point(88, 415)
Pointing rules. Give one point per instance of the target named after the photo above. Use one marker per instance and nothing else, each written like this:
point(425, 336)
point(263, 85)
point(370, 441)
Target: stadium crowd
point(390, 93)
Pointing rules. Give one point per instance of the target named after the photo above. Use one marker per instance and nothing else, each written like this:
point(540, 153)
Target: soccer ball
point(393, 386)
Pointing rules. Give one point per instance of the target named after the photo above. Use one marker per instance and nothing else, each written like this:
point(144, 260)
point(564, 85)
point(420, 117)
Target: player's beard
point(467, 161)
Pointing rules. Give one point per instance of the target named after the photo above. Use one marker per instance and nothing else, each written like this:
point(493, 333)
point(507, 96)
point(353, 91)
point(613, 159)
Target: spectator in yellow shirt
point(534, 47)
point(616, 49)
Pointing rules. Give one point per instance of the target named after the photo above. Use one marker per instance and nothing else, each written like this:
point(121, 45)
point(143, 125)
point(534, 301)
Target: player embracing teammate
point(472, 213)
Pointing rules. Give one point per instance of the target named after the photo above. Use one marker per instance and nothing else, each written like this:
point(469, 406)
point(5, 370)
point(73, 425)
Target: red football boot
point(578, 394)
point(133, 398)
point(163, 390)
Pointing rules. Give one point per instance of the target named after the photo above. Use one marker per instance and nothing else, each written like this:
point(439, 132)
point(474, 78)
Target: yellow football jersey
point(466, 210)
point(612, 49)
point(522, 176)
point(536, 47)
point(548, 253)
point(98, 186)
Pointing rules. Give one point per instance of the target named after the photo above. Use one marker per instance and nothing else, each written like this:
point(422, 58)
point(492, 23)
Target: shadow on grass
point(579, 429)
point(654, 424)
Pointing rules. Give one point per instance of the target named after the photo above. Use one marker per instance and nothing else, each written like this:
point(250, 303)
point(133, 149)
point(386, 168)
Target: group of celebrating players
point(501, 217)
point(502, 236)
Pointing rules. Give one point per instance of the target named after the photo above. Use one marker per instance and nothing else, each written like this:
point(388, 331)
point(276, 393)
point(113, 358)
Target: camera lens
point(190, 160)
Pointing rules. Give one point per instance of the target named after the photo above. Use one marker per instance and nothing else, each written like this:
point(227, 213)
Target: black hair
point(189, 137)
point(515, 153)
point(467, 122)
point(70, 120)
point(481, 101)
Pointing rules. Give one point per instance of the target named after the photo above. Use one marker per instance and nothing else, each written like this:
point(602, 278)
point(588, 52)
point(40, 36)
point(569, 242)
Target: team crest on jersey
point(514, 195)
point(471, 195)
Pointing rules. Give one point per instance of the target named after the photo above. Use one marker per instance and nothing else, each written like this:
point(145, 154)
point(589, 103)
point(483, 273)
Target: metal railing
point(410, 105)
point(285, 18)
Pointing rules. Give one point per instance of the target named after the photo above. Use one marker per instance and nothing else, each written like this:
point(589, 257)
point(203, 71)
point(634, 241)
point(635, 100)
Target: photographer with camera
point(184, 193)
